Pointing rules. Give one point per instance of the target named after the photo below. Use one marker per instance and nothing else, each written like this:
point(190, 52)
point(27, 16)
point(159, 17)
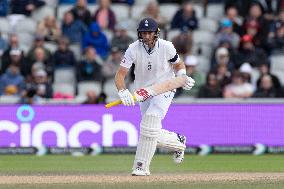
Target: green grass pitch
point(120, 165)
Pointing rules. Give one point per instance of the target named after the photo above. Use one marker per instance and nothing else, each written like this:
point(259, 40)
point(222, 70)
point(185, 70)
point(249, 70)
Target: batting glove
point(189, 81)
point(126, 97)
point(143, 94)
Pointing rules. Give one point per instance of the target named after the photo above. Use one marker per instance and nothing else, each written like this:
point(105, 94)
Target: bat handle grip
point(117, 102)
point(114, 103)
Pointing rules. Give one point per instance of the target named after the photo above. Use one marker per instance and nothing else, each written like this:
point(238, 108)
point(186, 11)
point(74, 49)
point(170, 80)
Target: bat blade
point(168, 85)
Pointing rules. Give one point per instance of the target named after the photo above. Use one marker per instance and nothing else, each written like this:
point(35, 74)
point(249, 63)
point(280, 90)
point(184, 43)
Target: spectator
point(38, 43)
point(270, 8)
point(253, 29)
point(49, 29)
point(42, 60)
point(12, 82)
point(223, 74)
point(81, 12)
point(222, 56)
point(112, 64)
point(278, 19)
point(266, 88)
point(211, 89)
point(255, 14)
point(104, 16)
point(97, 39)
point(152, 11)
point(249, 53)
point(226, 33)
point(6, 58)
point(74, 30)
point(276, 41)
point(241, 5)
point(183, 43)
point(238, 88)
point(185, 18)
point(37, 89)
point(233, 16)
point(22, 8)
point(91, 97)
point(63, 56)
point(121, 39)
point(16, 57)
point(264, 70)
point(43, 88)
point(91, 67)
point(4, 7)
point(246, 71)
point(25, 7)
point(190, 64)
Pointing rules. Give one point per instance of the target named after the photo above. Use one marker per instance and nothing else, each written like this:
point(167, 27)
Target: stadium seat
point(92, 8)
point(203, 50)
point(64, 88)
point(51, 3)
point(132, 34)
point(5, 25)
point(25, 38)
point(121, 11)
point(142, 2)
point(109, 35)
point(208, 24)
point(203, 64)
point(9, 99)
point(39, 14)
point(168, 10)
point(85, 86)
point(110, 89)
point(76, 49)
point(277, 66)
point(136, 11)
point(277, 62)
point(199, 10)
point(215, 11)
point(254, 76)
point(280, 75)
point(172, 33)
point(203, 37)
point(50, 46)
point(25, 48)
point(61, 10)
point(27, 25)
point(65, 75)
point(131, 24)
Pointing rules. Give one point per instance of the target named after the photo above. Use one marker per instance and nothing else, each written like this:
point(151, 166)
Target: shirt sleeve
point(173, 57)
point(128, 59)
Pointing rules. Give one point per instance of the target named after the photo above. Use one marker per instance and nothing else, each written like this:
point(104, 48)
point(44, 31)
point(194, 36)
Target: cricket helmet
point(148, 25)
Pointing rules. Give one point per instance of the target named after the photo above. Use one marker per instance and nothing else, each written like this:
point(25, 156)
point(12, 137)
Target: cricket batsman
point(156, 60)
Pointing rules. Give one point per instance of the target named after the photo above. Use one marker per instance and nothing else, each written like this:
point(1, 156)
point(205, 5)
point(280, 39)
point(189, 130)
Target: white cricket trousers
point(158, 105)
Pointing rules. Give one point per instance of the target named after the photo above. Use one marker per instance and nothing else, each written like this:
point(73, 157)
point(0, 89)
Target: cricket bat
point(155, 89)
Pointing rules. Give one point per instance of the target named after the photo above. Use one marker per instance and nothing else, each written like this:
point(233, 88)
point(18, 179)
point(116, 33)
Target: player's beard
point(150, 43)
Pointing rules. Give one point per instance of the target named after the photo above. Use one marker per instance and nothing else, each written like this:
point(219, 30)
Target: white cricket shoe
point(140, 172)
point(179, 155)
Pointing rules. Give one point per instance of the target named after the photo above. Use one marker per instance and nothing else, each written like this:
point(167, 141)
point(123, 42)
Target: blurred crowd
point(229, 56)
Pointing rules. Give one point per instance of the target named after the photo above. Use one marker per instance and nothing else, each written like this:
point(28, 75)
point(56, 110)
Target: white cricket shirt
point(151, 67)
